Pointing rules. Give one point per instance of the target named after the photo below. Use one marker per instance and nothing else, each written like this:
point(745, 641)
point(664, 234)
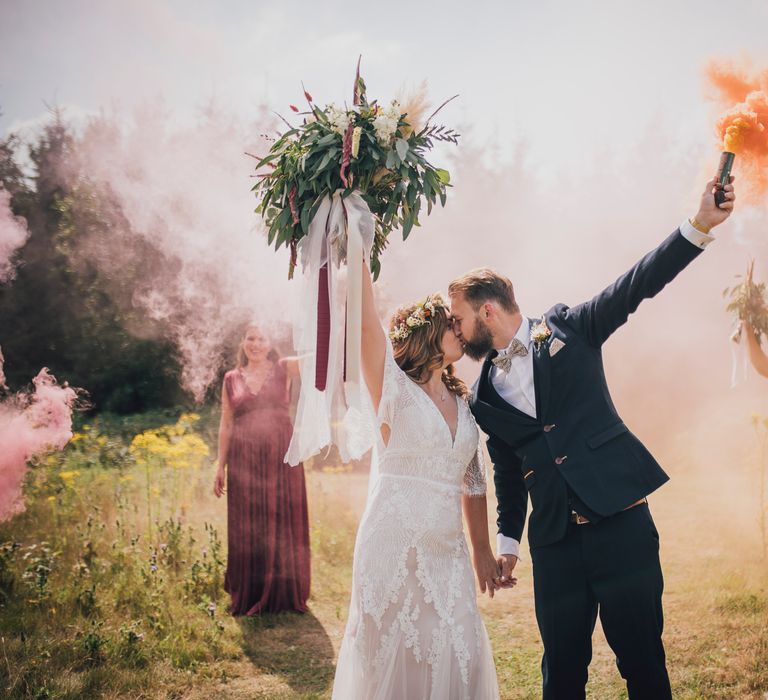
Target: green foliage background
point(60, 311)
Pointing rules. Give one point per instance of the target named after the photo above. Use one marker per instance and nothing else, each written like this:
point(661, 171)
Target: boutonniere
point(540, 332)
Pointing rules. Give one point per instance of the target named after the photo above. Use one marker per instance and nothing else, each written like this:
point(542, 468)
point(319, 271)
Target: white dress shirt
point(516, 386)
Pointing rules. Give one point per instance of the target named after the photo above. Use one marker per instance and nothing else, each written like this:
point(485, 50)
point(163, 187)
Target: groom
point(554, 435)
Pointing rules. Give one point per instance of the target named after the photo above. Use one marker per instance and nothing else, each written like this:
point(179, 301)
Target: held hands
point(487, 571)
point(494, 574)
point(709, 214)
point(507, 563)
point(220, 482)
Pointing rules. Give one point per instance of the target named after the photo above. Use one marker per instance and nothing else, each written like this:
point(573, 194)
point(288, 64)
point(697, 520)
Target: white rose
point(385, 128)
point(338, 119)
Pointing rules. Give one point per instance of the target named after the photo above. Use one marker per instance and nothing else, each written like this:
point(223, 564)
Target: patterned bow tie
point(504, 359)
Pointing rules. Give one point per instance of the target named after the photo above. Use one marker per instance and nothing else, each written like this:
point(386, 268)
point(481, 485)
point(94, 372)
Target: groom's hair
point(483, 284)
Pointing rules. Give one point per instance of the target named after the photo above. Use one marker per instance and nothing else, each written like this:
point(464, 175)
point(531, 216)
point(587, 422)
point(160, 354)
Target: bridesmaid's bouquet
point(748, 303)
point(376, 151)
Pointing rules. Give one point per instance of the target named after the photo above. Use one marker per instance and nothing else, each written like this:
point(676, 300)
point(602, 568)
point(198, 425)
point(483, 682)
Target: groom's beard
point(481, 343)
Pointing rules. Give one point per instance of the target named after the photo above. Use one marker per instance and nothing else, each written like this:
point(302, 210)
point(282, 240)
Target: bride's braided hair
point(420, 352)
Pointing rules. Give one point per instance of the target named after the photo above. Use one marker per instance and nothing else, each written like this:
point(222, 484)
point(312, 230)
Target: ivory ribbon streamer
point(736, 351)
point(333, 411)
point(352, 375)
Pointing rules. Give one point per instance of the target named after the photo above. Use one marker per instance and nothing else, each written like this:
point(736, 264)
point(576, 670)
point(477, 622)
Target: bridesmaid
point(267, 522)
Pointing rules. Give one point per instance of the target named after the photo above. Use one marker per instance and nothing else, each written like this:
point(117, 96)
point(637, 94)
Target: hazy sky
point(604, 102)
point(569, 80)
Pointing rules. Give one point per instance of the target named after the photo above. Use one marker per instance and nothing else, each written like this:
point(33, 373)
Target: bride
point(414, 630)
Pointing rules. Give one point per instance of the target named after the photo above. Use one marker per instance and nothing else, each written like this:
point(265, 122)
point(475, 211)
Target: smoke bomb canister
point(723, 175)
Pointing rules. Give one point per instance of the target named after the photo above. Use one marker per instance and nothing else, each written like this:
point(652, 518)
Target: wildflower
point(189, 418)
point(292, 202)
point(294, 108)
point(338, 119)
point(385, 123)
point(356, 133)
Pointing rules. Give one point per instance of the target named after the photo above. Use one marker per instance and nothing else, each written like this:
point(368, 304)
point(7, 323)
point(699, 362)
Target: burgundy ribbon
point(323, 329)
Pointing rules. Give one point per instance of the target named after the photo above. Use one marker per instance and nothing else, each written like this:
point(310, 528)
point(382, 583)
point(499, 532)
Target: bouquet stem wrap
point(333, 406)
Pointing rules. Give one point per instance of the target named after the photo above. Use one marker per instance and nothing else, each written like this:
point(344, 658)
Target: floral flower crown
point(421, 315)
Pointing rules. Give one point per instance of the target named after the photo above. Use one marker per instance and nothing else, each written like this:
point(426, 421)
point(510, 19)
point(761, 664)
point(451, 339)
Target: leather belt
point(581, 520)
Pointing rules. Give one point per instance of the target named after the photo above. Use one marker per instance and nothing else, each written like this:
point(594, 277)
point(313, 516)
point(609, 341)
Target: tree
point(62, 311)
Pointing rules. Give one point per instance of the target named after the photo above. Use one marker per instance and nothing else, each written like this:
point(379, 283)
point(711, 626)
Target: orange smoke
point(744, 126)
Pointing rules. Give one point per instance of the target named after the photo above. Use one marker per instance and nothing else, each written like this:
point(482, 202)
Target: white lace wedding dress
point(414, 631)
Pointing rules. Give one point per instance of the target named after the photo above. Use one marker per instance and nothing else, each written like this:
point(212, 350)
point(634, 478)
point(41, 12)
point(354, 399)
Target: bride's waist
point(418, 479)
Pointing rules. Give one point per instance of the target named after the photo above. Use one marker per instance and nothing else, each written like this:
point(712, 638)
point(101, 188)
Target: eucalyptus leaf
point(324, 162)
point(305, 216)
point(328, 139)
point(407, 226)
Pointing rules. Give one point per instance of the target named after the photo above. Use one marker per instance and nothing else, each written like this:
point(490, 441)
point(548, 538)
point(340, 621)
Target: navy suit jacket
point(578, 441)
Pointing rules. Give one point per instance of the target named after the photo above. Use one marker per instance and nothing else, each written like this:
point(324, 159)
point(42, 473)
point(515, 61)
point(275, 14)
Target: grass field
point(111, 584)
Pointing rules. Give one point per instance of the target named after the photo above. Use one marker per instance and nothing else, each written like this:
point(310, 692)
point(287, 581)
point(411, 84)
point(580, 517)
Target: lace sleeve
point(474, 478)
point(394, 383)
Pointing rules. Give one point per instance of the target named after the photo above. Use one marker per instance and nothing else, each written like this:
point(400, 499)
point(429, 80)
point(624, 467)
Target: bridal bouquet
point(332, 190)
point(377, 151)
point(749, 303)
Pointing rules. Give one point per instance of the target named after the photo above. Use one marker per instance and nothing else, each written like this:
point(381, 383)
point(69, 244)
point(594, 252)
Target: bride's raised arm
point(373, 342)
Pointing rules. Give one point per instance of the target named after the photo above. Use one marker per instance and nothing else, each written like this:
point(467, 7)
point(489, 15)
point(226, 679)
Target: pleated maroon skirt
point(268, 559)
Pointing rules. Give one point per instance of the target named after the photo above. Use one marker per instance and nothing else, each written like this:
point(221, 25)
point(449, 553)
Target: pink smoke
point(30, 426)
point(13, 234)
point(186, 191)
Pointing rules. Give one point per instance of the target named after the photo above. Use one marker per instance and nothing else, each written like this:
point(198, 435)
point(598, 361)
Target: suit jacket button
point(560, 460)
point(547, 428)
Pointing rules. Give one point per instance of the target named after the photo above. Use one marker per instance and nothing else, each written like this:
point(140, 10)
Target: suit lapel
point(541, 377)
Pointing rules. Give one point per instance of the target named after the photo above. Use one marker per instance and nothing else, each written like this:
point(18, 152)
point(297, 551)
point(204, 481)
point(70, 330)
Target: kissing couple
point(554, 436)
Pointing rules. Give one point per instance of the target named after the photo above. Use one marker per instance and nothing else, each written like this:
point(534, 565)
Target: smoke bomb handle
point(719, 197)
point(723, 176)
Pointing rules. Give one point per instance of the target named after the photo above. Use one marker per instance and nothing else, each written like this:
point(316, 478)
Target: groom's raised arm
point(599, 317)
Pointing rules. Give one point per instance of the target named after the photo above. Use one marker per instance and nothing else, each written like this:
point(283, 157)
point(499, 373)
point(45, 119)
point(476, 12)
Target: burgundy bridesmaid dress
point(268, 526)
